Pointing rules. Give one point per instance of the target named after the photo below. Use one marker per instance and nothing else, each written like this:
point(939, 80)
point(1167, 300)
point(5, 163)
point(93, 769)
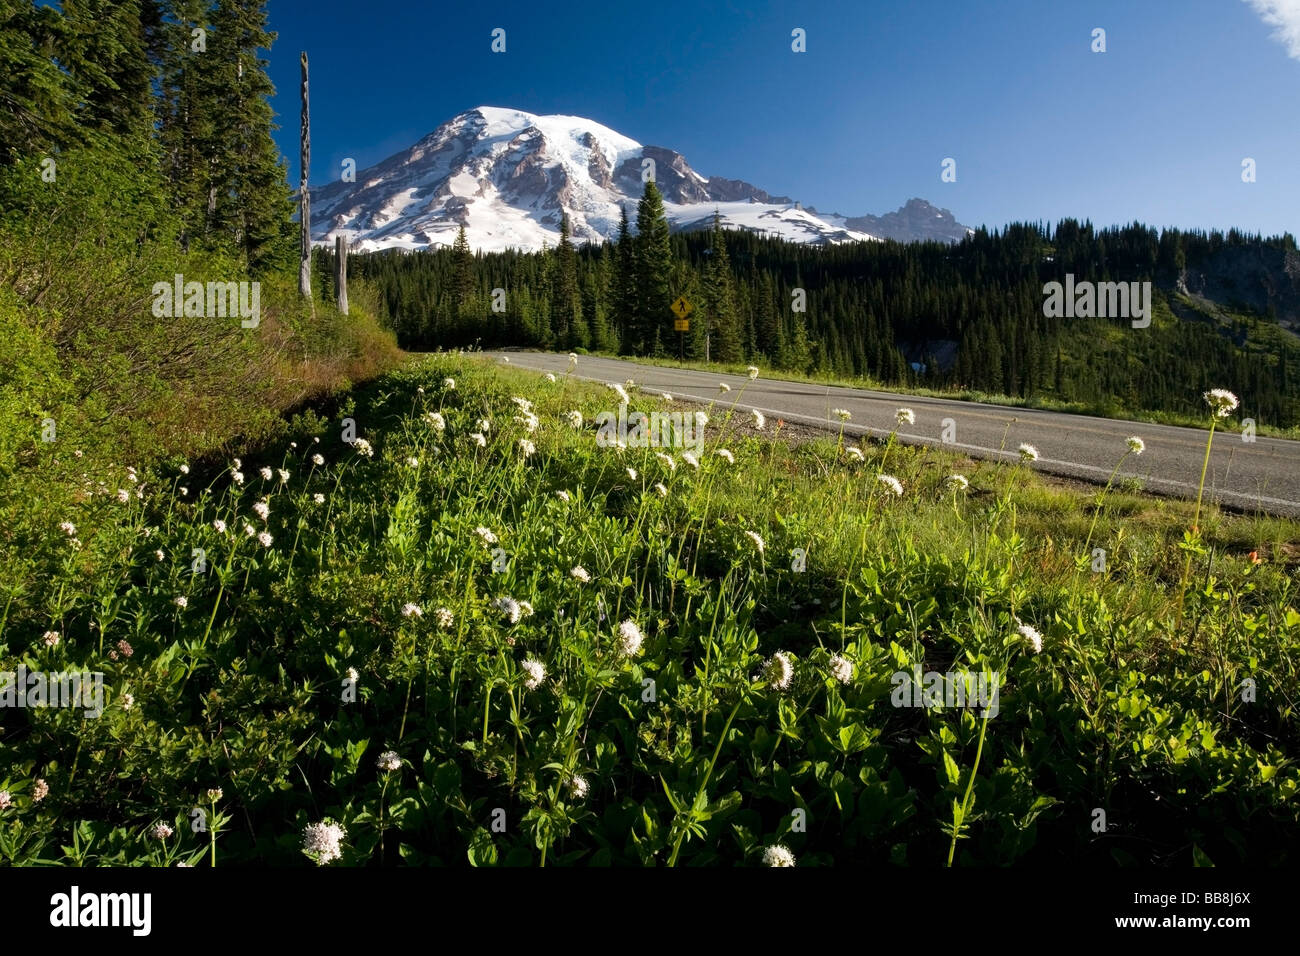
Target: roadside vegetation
point(472, 634)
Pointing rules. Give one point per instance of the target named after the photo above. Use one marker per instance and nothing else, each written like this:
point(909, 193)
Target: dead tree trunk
point(304, 200)
point(341, 275)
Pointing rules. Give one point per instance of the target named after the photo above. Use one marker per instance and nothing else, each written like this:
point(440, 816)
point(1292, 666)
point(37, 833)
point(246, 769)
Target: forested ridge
point(966, 316)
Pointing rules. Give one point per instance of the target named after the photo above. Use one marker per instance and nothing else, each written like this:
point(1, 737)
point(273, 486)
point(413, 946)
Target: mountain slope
point(508, 177)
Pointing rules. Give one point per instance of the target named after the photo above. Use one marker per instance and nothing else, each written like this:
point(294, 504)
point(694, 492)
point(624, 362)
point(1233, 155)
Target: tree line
point(962, 316)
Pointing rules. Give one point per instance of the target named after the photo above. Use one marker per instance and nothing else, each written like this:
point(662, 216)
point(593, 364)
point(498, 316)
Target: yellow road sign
point(682, 325)
point(681, 307)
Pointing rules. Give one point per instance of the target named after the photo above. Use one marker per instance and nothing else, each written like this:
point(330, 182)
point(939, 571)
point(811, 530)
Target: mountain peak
point(509, 176)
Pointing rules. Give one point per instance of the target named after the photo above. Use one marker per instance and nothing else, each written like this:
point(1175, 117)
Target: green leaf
point(951, 768)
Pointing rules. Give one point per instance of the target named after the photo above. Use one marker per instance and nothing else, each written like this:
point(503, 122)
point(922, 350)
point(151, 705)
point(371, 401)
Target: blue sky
point(1041, 127)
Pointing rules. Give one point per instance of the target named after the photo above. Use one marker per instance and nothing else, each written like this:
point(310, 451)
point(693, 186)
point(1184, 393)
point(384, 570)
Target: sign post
point(681, 308)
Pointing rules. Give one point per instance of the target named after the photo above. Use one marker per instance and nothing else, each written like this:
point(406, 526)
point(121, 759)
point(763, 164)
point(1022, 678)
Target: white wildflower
point(509, 607)
point(778, 673)
point(317, 460)
point(841, 668)
point(905, 416)
point(321, 841)
point(580, 573)
point(389, 761)
point(753, 372)
point(1028, 452)
point(758, 541)
point(412, 610)
point(264, 539)
point(759, 420)
point(181, 601)
point(443, 617)
point(778, 855)
point(487, 536)
point(661, 489)
point(1222, 402)
point(478, 439)
point(726, 456)
point(262, 509)
point(1032, 636)
point(436, 420)
point(1136, 445)
point(723, 388)
point(51, 638)
point(265, 473)
point(364, 447)
point(449, 383)
point(690, 459)
point(526, 447)
point(575, 418)
point(667, 460)
point(161, 831)
point(957, 482)
point(856, 453)
point(893, 484)
point(629, 638)
point(577, 787)
point(68, 528)
point(536, 673)
point(318, 498)
point(841, 413)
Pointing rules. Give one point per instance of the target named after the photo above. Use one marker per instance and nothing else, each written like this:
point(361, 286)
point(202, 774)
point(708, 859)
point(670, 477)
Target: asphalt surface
point(1262, 475)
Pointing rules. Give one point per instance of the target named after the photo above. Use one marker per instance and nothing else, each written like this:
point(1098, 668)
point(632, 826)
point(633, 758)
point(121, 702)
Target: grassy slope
point(1133, 706)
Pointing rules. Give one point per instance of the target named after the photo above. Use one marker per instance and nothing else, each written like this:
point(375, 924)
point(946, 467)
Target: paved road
point(1260, 475)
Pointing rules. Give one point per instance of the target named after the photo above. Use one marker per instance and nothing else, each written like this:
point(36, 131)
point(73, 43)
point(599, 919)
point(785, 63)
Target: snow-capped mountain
point(508, 176)
point(915, 221)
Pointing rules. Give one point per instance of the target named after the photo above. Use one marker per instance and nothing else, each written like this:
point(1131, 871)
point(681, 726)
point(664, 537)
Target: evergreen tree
point(566, 313)
point(719, 303)
point(625, 285)
point(249, 201)
point(462, 281)
point(653, 263)
point(36, 98)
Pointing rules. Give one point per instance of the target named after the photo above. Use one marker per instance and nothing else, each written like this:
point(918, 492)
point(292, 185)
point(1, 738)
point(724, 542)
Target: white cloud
point(1284, 17)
